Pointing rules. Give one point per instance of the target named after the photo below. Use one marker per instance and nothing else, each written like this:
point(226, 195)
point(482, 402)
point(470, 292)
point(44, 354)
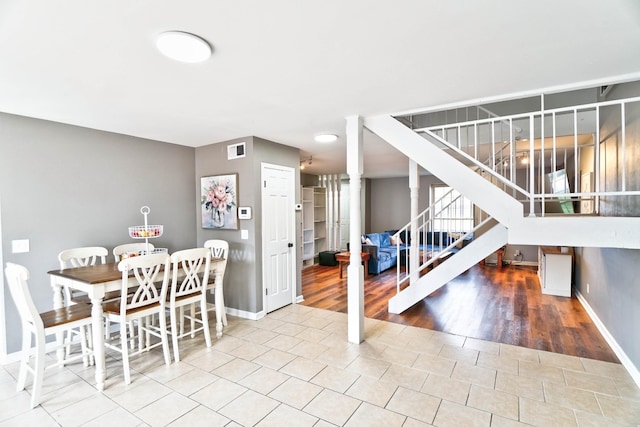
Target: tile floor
point(296, 368)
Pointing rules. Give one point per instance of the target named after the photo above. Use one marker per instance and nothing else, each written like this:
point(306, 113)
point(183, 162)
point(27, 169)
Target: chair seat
point(62, 316)
point(113, 308)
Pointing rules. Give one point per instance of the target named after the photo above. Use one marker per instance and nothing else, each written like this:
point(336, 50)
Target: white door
point(278, 236)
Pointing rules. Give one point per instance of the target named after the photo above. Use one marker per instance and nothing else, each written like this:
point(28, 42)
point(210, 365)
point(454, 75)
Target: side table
point(344, 258)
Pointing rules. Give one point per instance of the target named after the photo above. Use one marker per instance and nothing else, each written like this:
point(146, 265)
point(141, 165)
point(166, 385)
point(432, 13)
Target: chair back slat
point(82, 257)
point(142, 290)
point(219, 249)
point(120, 250)
point(193, 266)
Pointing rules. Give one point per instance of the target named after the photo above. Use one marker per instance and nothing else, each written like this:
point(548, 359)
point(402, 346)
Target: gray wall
point(63, 186)
point(243, 278)
point(613, 274)
point(391, 201)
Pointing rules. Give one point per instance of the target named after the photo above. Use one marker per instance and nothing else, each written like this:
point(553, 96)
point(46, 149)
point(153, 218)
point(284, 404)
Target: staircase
point(521, 202)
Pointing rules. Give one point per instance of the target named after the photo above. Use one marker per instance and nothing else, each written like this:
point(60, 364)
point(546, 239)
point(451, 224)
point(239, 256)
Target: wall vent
point(236, 151)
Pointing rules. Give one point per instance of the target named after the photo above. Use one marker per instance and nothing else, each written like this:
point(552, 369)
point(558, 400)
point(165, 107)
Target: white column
point(355, 280)
point(338, 225)
point(414, 189)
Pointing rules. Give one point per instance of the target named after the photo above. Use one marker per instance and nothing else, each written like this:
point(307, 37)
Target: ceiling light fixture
point(326, 137)
point(183, 47)
point(303, 162)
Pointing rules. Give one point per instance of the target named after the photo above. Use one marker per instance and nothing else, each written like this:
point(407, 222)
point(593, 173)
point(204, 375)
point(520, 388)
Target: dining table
point(99, 279)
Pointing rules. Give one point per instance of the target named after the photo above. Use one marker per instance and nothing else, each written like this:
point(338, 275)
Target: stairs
point(467, 257)
point(452, 166)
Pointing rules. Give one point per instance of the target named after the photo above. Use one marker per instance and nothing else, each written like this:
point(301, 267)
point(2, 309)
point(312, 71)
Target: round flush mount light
point(183, 47)
point(326, 137)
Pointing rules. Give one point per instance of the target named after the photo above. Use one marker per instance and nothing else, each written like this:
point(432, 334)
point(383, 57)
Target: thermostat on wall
point(244, 212)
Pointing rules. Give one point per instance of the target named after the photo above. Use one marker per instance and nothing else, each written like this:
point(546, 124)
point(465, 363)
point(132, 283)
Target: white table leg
point(219, 304)
point(98, 341)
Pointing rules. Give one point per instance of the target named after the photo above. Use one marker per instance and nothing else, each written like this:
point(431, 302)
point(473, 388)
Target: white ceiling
point(285, 70)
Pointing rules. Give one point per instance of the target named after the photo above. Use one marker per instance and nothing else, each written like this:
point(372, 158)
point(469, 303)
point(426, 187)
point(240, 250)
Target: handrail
point(526, 115)
point(408, 274)
point(545, 127)
point(480, 165)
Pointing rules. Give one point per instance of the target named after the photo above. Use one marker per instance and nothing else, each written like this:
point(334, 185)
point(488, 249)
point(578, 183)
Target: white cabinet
point(554, 270)
point(314, 223)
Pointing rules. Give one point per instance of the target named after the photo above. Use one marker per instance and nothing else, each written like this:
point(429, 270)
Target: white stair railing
point(439, 224)
point(551, 140)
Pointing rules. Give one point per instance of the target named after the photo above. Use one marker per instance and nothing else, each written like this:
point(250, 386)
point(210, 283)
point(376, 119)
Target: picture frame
point(219, 201)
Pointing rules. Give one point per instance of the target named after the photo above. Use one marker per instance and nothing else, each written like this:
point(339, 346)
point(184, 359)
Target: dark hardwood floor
point(500, 305)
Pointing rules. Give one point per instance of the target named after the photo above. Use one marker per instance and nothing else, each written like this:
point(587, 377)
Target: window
point(453, 212)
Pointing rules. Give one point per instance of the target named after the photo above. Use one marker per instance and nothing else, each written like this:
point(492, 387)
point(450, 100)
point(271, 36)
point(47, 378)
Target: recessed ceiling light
point(183, 47)
point(326, 137)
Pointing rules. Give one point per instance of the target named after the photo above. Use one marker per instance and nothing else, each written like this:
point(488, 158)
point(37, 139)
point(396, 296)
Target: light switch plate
point(20, 246)
point(244, 234)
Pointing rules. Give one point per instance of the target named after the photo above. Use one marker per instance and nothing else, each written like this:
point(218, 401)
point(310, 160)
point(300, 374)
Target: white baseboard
point(624, 359)
point(527, 263)
point(245, 314)
point(299, 299)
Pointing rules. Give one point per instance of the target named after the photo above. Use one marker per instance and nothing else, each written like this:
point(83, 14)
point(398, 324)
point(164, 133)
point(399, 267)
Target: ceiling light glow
point(183, 47)
point(326, 137)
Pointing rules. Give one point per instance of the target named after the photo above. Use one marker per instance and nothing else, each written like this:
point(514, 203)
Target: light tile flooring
point(296, 368)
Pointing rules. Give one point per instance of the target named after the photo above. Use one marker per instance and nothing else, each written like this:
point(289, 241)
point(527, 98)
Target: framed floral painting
point(219, 201)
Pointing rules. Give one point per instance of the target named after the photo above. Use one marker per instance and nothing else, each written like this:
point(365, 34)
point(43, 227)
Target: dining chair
point(219, 249)
point(143, 299)
point(40, 325)
point(119, 250)
point(81, 257)
point(190, 274)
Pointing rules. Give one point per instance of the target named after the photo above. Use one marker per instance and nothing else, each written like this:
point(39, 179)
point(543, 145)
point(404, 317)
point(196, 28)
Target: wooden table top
point(99, 273)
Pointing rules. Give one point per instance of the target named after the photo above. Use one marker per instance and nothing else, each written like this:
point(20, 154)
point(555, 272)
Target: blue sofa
point(384, 254)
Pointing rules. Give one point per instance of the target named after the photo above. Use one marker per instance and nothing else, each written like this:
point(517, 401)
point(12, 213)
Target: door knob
point(290, 245)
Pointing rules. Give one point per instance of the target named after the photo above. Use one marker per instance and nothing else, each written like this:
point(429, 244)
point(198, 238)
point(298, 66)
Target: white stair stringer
point(488, 197)
point(481, 247)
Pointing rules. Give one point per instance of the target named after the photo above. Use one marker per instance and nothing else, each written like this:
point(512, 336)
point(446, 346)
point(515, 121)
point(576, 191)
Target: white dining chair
point(120, 250)
point(39, 326)
point(143, 300)
point(219, 249)
point(81, 257)
point(190, 275)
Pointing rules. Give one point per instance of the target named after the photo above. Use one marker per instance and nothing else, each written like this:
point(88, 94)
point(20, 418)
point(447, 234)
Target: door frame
point(292, 228)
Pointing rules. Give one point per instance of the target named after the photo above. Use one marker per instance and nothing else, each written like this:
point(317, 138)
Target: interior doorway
point(278, 236)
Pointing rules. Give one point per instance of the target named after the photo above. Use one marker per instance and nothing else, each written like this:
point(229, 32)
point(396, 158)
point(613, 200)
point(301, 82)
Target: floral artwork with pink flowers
point(219, 202)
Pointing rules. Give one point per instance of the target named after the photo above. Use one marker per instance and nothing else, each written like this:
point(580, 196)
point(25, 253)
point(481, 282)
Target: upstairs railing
point(563, 160)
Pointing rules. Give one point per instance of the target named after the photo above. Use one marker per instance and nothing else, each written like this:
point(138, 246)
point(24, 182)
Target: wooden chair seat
point(113, 307)
point(65, 315)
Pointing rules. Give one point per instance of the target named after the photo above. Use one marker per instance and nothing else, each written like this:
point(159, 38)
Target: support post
point(355, 271)
point(414, 189)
